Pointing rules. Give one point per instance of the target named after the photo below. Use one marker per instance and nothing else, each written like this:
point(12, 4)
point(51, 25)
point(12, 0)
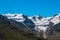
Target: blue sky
point(30, 7)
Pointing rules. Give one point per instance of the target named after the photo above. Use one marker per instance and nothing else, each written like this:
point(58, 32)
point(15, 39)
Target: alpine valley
point(22, 27)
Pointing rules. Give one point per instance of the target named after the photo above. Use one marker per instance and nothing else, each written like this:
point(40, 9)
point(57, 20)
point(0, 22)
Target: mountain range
point(42, 27)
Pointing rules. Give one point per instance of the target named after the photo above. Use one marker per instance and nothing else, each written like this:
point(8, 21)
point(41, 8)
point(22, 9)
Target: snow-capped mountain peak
point(16, 17)
point(56, 19)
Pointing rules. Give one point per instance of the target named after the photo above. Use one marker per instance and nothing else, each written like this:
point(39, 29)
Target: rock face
point(36, 23)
